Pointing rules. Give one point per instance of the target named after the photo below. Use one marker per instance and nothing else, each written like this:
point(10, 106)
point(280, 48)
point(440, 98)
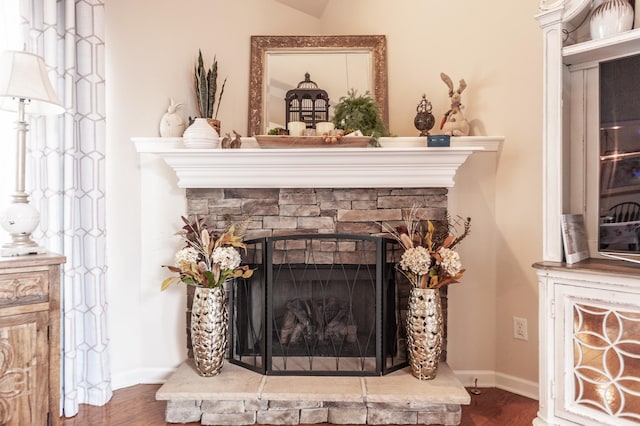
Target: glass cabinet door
point(598, 361)
point(619, 200)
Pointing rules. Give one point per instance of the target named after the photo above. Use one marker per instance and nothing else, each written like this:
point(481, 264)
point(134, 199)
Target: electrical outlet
point(520, 328)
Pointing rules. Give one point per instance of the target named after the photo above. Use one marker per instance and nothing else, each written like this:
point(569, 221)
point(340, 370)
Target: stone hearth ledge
point(240, 396)
point(400, 163)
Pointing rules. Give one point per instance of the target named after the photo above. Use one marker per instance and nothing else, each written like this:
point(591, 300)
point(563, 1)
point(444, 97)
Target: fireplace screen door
point(320, 305)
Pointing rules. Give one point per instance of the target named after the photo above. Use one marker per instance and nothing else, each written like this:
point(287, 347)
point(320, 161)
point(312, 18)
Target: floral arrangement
point(209, 259)
point(429, 259)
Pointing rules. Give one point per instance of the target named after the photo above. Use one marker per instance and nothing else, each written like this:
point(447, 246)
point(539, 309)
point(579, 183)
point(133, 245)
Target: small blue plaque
point(438, 141)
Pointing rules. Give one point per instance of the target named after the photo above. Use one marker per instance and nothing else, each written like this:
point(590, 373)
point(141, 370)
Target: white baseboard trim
point(493, 379)
point(142, 376)
point(517, 385)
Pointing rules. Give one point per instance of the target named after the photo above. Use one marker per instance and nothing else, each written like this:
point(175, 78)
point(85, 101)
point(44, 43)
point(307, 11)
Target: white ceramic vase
point(200, 135)
point(611, 17)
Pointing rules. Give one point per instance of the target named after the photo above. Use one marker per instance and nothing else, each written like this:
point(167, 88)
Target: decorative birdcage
point(307, 103)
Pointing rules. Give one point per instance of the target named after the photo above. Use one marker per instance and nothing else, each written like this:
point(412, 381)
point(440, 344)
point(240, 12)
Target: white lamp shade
point(24, 76)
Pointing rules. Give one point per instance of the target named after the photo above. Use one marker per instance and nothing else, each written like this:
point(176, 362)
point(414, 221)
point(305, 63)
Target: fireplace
point(291, 192)
point(320, 304)
point(290, 212)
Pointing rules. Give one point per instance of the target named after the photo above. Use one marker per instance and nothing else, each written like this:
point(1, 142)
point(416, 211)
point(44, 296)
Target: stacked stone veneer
point(298, 211)
point(249, 412)
point(276, 212)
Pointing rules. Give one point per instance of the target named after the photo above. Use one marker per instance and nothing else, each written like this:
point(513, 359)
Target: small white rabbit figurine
point(454, 123)
point(171, 123)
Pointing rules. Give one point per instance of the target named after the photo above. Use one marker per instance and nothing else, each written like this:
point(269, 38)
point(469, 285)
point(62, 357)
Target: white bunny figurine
point(454, 123)
point(171, 123)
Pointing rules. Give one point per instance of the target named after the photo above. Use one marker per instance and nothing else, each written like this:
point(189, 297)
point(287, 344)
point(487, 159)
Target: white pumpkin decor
point(611, 17)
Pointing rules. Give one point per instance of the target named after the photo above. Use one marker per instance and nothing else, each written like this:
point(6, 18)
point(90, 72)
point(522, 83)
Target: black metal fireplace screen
point(321, 304)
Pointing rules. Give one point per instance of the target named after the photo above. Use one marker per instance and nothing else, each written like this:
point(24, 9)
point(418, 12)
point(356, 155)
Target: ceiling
point(310, 7)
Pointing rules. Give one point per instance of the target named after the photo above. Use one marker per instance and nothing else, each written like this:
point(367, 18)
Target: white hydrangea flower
point(186, 256)
point(416, 260)
point(227, 257)
point(450, 261)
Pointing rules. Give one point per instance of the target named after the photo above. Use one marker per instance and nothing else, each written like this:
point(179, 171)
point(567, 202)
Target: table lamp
point(24, 87)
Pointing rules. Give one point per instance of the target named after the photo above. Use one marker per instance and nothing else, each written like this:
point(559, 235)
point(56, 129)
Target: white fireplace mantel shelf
point(403, 165)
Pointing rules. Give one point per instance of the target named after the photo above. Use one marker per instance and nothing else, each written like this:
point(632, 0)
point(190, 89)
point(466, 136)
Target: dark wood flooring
point(137, 406)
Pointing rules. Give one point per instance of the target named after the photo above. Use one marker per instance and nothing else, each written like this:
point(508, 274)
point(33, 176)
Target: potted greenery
point(360, 112)
point(206, 87)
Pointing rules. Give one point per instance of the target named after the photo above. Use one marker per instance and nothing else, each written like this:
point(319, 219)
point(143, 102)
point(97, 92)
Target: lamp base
point(21, 251)
point(20, 219)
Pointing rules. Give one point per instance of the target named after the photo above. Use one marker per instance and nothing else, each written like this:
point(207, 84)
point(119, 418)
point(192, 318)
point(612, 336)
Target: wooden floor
point(136, 406)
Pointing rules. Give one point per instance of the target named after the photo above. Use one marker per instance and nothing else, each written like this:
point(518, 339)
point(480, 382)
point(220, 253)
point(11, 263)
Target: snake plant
point(206, 85)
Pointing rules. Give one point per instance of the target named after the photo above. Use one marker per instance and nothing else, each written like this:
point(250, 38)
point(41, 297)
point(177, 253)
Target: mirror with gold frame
point(362, 66)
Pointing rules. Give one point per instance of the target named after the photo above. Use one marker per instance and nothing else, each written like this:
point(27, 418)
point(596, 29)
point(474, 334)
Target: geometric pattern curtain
point(66, 180)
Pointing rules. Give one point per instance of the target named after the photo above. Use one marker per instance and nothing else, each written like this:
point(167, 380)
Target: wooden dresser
point(30, 339)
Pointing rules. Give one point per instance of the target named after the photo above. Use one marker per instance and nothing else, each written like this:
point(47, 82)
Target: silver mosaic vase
point(424, 332)
point(209, 326)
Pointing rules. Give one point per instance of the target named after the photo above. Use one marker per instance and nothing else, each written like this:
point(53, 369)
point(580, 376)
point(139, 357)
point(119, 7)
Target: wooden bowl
point(280, 142)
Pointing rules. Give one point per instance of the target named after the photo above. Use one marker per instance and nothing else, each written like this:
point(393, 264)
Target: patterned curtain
point(66, 180)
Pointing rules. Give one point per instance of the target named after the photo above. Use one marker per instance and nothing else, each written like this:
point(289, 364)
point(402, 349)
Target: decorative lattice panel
point(607, 361)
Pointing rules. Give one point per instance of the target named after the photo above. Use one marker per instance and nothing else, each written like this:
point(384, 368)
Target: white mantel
point(401, 162)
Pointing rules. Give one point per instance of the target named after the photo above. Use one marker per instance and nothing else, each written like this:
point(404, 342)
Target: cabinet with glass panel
point(589, 312)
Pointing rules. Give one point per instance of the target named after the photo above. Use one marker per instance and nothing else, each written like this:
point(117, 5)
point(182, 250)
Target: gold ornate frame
point(260, 45)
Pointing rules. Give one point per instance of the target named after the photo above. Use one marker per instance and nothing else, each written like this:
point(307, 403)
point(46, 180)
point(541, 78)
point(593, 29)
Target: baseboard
point(492, 379)
point(517, 385)
point(141, 376)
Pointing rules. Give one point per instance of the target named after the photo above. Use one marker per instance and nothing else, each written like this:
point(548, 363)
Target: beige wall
point(151, 46)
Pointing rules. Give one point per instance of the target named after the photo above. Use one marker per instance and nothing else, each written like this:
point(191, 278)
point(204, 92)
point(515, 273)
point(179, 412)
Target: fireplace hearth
point(320, 304)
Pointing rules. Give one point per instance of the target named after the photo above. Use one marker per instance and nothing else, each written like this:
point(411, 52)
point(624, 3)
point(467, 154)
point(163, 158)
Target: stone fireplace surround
point(327, 190)
point(294, 211)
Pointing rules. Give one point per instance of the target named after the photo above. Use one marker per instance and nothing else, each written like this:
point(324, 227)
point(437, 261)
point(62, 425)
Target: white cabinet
point(571, 117)
point(590, 362)
point(573, 392)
